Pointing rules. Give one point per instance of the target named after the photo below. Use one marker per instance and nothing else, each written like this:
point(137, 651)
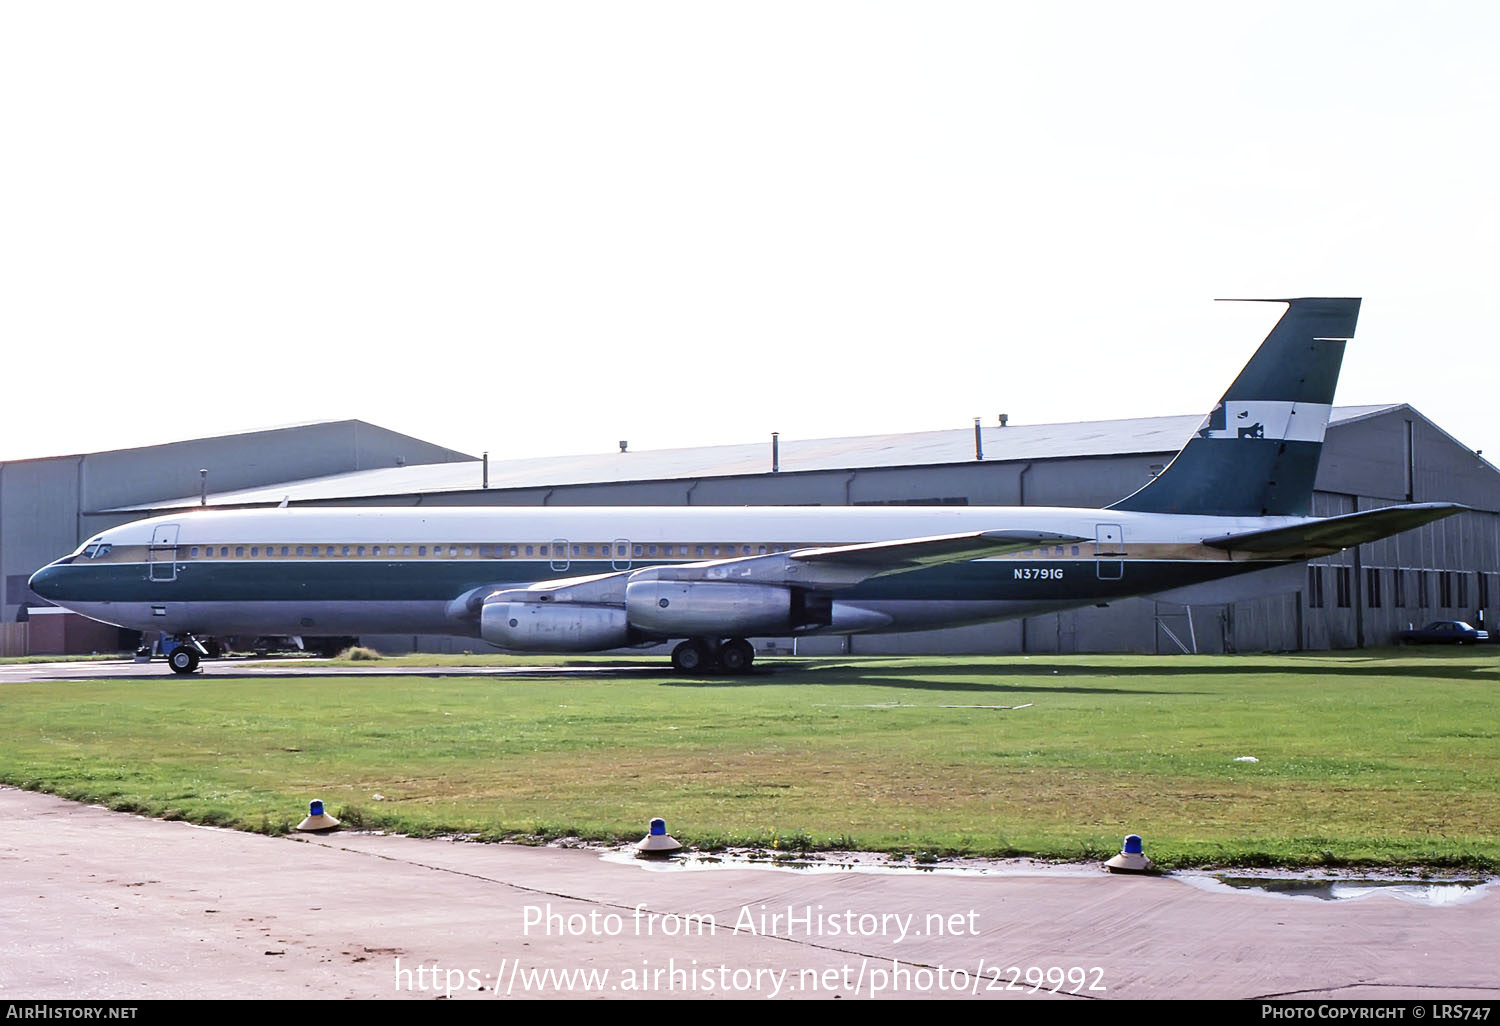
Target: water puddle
point(846, 862)
point(1432, 893)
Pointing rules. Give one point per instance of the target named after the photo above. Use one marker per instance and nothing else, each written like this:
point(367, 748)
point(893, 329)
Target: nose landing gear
point(185, 653)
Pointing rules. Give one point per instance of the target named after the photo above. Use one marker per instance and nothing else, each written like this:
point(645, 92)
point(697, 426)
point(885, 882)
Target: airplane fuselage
point(412, 570)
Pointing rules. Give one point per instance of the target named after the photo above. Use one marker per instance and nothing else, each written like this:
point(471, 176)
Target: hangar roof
point(258, 436)
point(923, 448)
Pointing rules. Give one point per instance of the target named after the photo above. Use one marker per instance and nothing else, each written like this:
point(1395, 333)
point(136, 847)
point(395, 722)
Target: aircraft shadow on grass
point(1372, 667)
point(915, 684)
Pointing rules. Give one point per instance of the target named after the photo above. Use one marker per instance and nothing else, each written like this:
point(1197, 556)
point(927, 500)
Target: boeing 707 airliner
point(1234, 500)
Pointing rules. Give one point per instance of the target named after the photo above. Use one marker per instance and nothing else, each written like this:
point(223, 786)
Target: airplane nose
point(45, 582)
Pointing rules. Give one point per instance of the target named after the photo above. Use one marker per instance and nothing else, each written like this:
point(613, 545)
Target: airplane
point(1234, 501)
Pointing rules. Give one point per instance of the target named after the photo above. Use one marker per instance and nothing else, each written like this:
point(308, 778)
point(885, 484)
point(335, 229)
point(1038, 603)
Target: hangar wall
point(39, 521)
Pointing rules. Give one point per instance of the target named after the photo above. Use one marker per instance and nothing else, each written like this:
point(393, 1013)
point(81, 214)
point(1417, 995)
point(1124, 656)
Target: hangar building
point(49, 506)
point(1373, 456)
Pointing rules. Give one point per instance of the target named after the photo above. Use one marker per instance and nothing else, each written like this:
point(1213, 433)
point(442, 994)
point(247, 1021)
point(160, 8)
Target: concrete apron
point(107, 905)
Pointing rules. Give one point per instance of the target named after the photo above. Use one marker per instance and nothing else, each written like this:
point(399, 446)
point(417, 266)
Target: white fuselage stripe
point(676, 524)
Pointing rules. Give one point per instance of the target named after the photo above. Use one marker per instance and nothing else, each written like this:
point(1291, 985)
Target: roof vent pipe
point(486, 481)
point(775, 452)
point(1004, 419)
point(978, 442)
point(624, 445)
point(203, 487)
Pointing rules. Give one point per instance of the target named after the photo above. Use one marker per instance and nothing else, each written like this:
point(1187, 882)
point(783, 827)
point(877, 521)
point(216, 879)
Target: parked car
point(1443, 632)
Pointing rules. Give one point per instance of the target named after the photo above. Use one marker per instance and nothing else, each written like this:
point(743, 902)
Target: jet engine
point(553, 626)
point(684, 609)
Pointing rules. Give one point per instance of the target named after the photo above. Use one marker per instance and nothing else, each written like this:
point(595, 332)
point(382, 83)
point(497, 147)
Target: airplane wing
point(1324, 537)
point(894, 557)
point(839, 566)
point(833, 566)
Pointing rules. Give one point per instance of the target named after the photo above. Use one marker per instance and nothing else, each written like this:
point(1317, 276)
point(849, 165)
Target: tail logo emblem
point(1280, 421)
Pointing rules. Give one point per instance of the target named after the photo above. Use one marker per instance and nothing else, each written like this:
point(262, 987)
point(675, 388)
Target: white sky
point(537, 228)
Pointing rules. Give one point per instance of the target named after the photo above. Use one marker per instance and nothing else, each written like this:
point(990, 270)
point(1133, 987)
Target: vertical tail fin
point(1257, 452)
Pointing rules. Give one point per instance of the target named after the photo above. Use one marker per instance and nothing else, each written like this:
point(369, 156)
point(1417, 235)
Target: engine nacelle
point(685, 609)
point(553, 626)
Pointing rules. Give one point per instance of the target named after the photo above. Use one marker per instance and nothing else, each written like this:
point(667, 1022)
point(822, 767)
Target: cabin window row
point(553, 550)
point(572, 550)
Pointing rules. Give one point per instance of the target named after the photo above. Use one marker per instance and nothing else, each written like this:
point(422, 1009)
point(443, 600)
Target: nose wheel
point(184, 657)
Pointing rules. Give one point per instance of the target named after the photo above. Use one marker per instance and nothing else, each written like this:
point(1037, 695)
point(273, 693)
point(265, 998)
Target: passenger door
point(161, 557)
point(1109, 550)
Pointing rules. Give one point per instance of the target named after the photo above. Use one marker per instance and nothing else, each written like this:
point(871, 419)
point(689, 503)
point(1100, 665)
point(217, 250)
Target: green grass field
point(1364, 759)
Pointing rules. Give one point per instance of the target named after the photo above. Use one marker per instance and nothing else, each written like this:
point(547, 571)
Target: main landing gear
point(710, 655)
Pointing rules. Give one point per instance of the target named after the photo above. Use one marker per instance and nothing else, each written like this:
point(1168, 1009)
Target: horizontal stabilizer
point(1329, 535)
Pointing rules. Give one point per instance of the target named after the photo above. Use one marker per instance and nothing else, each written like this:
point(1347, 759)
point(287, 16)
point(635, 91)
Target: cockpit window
point(94, 550)
point(102, 551)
